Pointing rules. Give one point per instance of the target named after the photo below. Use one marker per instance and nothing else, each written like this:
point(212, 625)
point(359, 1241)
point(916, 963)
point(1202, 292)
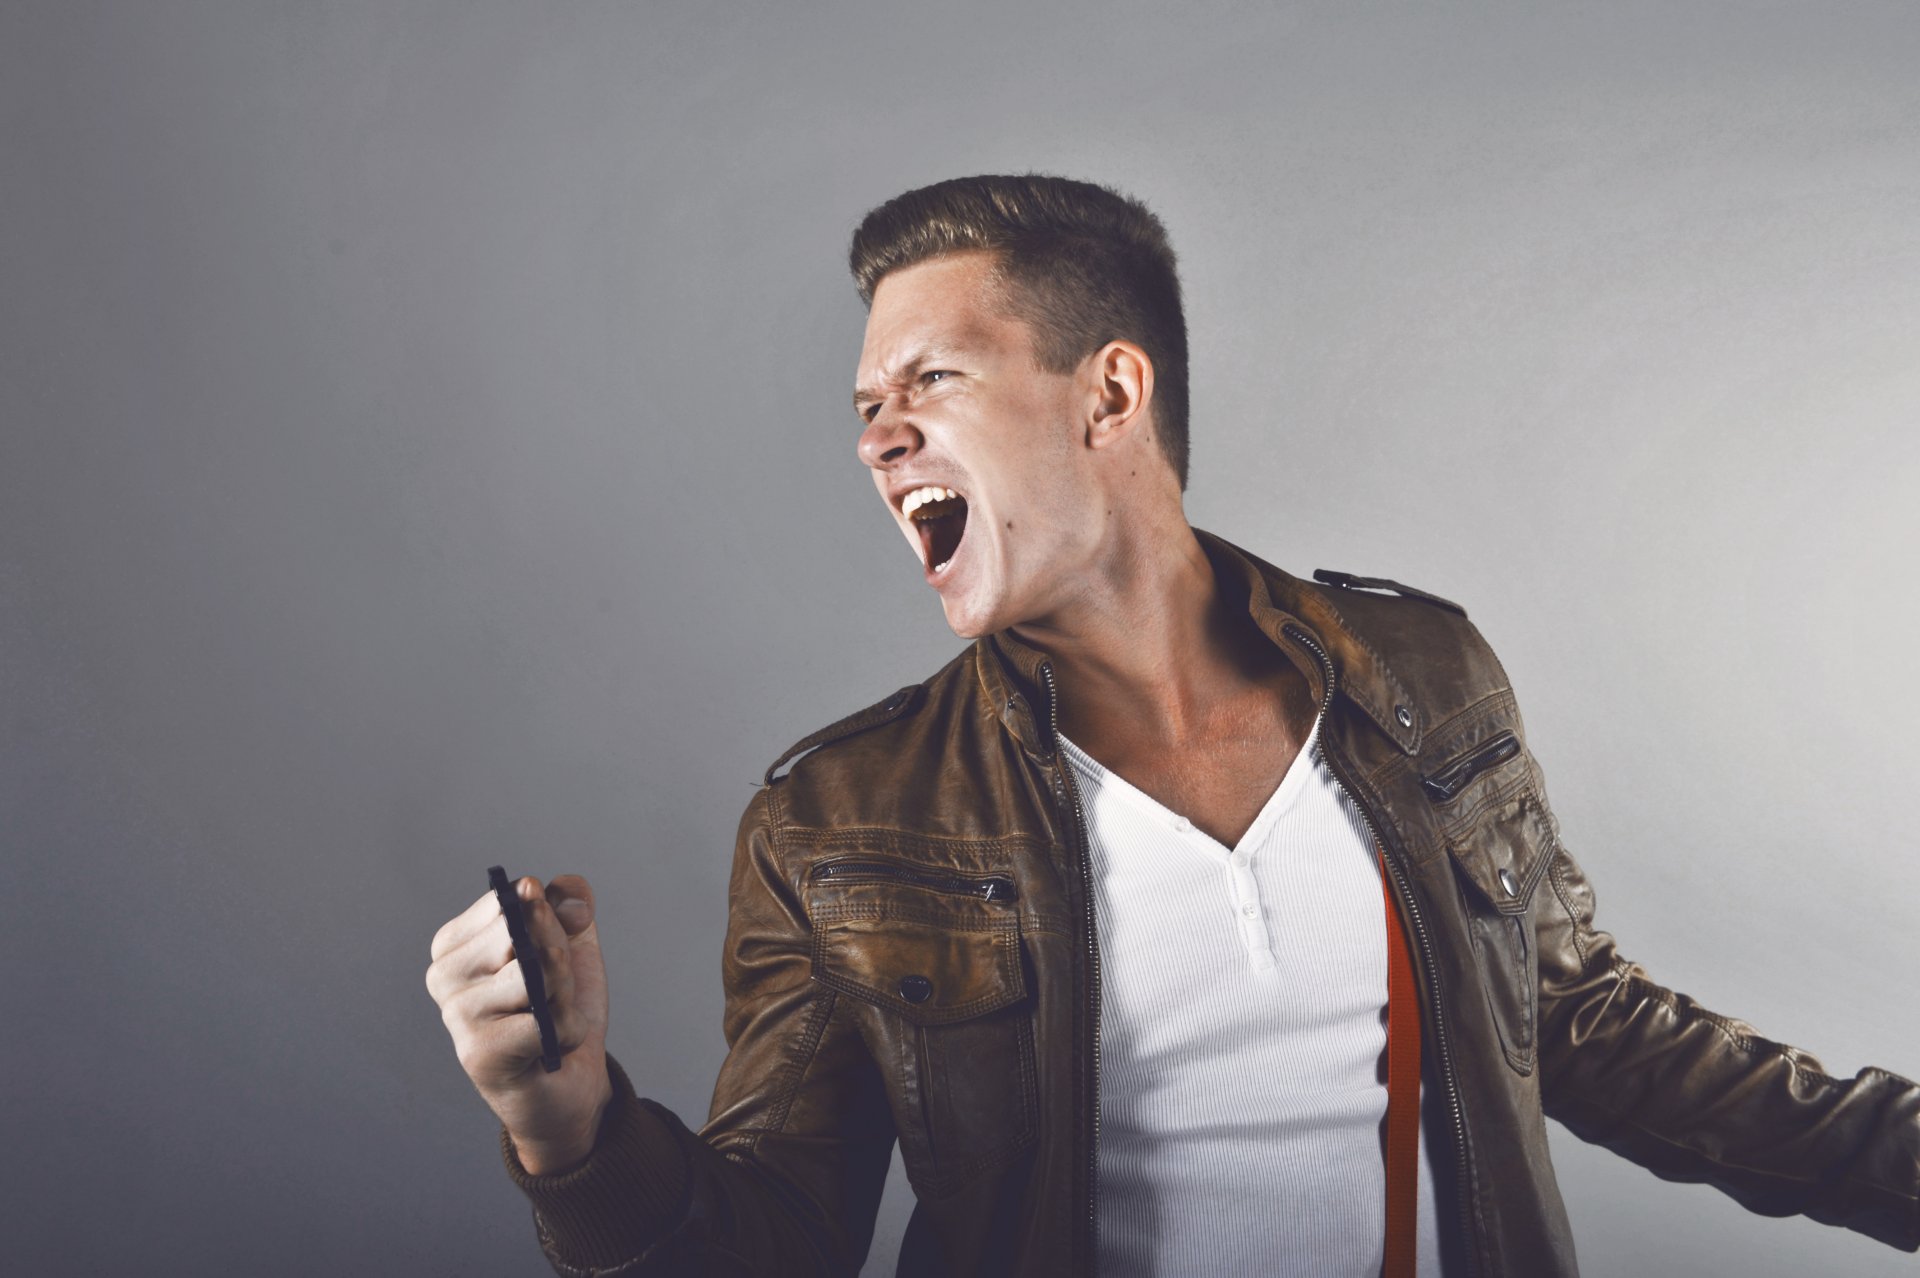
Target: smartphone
point(529, 955)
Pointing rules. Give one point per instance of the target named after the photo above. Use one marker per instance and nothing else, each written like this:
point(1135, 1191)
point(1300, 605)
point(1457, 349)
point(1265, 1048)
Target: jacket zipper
point(988, 887)
point(1444, 783)
point(1449, 1080)
point(1071, 792)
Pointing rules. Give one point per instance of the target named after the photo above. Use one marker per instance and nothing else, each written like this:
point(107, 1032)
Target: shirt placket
point(1249, 915)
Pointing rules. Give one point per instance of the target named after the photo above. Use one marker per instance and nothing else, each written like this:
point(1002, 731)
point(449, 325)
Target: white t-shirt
point(1242, 1022)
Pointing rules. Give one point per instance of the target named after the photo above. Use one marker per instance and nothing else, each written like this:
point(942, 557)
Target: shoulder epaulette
point(885, 711)
point(1348, 581)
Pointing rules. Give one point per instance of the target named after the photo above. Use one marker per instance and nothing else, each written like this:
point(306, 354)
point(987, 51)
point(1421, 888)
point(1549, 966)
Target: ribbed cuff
point(631, 1190)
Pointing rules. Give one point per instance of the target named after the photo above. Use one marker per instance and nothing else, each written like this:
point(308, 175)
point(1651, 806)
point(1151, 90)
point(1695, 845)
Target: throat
point(942, 527)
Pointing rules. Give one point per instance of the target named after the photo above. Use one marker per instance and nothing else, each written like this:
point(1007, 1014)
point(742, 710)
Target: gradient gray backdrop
point(426, 444)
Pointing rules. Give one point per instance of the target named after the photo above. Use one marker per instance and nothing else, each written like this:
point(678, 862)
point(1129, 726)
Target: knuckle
point(453, 1016)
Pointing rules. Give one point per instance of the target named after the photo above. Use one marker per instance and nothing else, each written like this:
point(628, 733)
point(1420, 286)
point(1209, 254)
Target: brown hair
point(1086, 265)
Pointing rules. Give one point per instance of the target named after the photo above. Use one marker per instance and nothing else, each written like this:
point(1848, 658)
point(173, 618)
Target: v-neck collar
point(1284, 796)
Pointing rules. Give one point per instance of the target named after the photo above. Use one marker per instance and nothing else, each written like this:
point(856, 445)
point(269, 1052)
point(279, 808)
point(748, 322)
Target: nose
point(889, 438)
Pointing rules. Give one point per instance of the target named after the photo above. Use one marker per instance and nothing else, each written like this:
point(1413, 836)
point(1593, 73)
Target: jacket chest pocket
point(1500, 840)
point(947, 1015)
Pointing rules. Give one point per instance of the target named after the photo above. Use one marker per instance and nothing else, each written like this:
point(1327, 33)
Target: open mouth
point(939, 516)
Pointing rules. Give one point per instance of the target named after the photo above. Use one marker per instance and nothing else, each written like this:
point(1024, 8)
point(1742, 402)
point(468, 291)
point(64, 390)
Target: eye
point(934, 373)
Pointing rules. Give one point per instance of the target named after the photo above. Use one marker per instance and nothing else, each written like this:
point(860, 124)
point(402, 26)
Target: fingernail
point(573, 913)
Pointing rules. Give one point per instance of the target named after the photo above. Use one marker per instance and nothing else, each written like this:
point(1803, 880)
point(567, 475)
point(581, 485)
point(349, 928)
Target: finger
point(543, 925)
point(482, 954)
point(479, 957)
point(512, 1040)
point(465, 924)
point(504, 997)
point(543, 928)
point(556, 966)
point(502, 994)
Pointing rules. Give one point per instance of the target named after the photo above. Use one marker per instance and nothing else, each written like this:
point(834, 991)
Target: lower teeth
point(942, 565)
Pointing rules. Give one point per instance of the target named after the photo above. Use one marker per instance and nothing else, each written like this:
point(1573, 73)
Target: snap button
point(916, 989)
point(1404, 715)
point(1507, 883)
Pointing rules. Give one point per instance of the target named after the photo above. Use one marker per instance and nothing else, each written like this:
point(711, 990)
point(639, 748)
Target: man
point(1112, 921)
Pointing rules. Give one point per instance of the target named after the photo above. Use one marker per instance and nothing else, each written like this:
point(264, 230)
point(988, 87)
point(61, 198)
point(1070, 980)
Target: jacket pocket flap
point(930, 972)
point(1506, 851)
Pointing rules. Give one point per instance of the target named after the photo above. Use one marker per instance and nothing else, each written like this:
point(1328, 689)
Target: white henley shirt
point(1242, 1022)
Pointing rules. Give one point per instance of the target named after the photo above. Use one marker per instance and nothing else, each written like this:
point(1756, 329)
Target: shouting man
point(1139, 925)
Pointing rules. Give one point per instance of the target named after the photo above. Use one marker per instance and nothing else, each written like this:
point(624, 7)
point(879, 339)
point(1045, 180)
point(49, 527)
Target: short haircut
point(1085, 265)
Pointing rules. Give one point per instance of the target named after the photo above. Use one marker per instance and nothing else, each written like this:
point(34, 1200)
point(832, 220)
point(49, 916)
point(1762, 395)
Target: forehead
point(945, 305)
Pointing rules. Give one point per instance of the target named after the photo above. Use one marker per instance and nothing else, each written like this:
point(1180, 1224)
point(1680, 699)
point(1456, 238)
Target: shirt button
point(1182, 824)
point(1250, 910)
point(1239, 860)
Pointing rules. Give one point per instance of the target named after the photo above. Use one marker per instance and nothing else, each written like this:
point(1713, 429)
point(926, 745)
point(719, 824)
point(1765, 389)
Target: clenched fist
point(476, 981)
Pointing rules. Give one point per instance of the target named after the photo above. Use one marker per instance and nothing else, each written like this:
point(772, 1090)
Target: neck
point(1150, 646)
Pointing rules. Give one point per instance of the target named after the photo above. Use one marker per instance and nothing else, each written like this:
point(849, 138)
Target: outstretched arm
point(1695, 1096)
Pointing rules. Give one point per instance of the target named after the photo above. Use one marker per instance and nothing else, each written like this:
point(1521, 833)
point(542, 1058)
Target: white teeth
point(921, 496)
point(942, 565)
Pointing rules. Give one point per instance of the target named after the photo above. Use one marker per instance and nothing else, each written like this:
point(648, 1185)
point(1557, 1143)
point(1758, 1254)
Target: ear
point(1121, 378)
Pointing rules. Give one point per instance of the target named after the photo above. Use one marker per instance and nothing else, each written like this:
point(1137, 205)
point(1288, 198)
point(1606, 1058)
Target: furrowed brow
point(908, 371)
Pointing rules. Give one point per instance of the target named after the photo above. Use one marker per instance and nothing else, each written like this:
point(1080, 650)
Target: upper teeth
point(921, 496)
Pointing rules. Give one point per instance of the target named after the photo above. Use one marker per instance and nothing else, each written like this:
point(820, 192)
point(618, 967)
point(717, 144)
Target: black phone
point(524, 949)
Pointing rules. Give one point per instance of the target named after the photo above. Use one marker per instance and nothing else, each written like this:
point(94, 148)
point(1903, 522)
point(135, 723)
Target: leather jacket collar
point(1295, 616)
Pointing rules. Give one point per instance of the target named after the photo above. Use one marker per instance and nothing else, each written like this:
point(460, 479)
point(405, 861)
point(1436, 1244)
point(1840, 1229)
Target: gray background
point(426, 444)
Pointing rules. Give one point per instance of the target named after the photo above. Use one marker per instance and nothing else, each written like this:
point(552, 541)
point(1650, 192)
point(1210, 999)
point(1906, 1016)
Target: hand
point(475, 979)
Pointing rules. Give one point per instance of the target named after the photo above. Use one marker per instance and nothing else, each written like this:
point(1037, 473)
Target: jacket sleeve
point(785, 1177)
point(1695, 1096)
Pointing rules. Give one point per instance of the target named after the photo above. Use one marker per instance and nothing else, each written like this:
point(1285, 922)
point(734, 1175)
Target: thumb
point(572, 902)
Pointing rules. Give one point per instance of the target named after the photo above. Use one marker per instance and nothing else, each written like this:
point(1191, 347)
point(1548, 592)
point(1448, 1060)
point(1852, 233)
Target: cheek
point(1046, 467)
point(1052, 518)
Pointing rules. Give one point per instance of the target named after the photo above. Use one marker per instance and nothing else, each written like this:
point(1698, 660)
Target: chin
point(968, 627)
point(969, 619)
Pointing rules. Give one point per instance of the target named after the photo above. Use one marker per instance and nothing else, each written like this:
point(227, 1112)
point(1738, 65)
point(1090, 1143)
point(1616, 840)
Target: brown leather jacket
point(911, 955)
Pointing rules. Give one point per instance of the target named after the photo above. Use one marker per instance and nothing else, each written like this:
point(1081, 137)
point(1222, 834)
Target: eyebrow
point(920, 359)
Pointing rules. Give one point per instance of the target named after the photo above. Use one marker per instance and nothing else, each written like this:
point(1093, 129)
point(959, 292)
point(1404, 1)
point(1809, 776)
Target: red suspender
point(1402, 1137)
